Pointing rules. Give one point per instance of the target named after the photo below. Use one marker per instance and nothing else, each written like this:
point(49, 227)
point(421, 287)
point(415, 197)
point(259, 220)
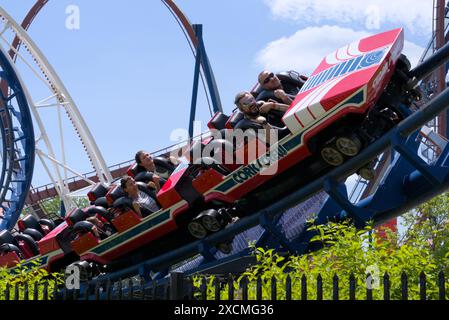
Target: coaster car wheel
point(332, 156)
point(212, 220)
point(196, 229)
point(349, 145)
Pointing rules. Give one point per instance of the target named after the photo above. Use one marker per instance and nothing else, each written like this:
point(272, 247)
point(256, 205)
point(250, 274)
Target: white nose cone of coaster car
point(347, 81)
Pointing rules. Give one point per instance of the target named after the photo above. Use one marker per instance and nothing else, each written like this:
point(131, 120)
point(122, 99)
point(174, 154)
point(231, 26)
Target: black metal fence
point(179, 287)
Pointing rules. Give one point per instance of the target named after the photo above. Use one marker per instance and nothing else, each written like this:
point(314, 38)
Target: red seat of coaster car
point(13, 249)
point(234, 119)
point(114, 193)
point(218, 121)
point(27, 245)
point(98, 191)
point(134, 169)
point(44, 226)
point(76, 215)
point(85, 238)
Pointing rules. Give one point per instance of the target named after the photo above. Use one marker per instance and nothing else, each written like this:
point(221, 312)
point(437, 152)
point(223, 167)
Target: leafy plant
point(346, 250)
point(28, 276)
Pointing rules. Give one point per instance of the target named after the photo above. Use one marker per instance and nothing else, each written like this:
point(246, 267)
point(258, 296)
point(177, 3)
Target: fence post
point(16, 292)
point(288, 288)
point(369, 289)
point(273, 288)
point(422, 286)
point(386, 286)
point(203, 288)
point(87, 291)
point(404, 286)
point(217, 289)
point(303, 287)
point(108, 290)
point(25, 292)
point(55, 290)
point(131, 289)
point(230, 287)
point(45, 292)
point(335, 288)
point(244, 288)
point(319, 287)
point(259, 288)
point(190, 291)
point(7, 291)
point(119, 289)
point(442, 285)
point(153, 290)
point(176, 285)
point(36, 291)
point(97, 291)
point(142, 288)
point(352, 286)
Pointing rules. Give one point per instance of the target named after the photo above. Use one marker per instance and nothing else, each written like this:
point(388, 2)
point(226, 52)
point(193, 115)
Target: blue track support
point(18, 144)
point(196, 76)
point(208, 73)
point(201, 60)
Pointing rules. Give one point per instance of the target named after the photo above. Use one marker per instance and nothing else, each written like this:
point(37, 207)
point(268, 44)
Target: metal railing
point(220, 288)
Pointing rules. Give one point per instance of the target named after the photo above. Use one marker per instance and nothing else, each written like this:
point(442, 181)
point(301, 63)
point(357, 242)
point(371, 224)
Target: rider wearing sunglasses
point(272, 86)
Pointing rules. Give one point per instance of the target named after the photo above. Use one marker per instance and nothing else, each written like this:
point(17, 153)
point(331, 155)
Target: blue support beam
point(196, 76)
point(18, 143)
point(202, 60)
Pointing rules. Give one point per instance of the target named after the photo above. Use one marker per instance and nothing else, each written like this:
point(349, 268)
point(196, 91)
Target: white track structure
point(56, 96)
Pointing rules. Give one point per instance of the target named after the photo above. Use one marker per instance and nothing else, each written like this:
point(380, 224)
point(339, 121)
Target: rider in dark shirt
point(257, 112)
point(253, 116)
point(272, 89)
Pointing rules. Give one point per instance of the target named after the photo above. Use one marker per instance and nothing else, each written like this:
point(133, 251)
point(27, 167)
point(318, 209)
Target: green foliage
point(53, 206)
point(345, 250)
point(31, 276)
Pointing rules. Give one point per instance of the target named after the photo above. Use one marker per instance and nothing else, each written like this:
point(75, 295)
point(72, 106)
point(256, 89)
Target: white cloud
point(305, 49)
point(416, 16)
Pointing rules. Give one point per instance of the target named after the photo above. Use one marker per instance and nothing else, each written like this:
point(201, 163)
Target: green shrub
point(346, 250)
point(31, 276)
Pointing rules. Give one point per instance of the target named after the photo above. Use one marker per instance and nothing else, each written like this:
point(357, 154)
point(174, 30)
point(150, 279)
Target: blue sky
point(130, 70)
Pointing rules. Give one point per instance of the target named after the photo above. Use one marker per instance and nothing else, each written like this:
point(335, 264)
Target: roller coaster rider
point(272, 89)
point(141, 202)
point(145, 161)
point(254, 112)
point(274, 92)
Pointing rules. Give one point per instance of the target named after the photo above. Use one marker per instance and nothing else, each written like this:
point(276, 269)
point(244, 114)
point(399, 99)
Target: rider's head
point(129, 186)
point(269, 81)
point(246, 103)
point(145, 160)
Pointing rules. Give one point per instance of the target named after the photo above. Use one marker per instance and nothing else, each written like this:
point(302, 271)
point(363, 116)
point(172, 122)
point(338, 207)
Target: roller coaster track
point(405, 183)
